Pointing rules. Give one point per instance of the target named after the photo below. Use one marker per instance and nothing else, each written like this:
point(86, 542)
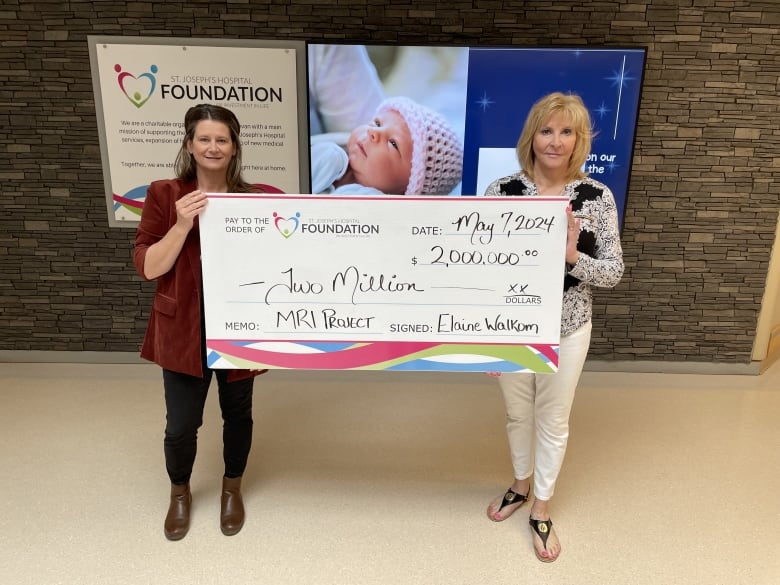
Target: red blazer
point(173, 335)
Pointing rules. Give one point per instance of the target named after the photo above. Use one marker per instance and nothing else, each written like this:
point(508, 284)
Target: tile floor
point(383, 478)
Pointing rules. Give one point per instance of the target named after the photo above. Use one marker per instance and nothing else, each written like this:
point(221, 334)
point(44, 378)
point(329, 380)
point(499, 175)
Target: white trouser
point(542, 403)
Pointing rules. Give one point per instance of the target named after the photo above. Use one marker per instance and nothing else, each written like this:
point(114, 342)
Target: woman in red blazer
point(167, 249)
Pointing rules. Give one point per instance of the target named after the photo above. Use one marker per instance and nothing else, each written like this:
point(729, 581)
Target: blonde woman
point(552, 149)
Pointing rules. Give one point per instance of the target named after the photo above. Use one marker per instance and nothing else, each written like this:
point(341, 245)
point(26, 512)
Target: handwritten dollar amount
point(450, 257)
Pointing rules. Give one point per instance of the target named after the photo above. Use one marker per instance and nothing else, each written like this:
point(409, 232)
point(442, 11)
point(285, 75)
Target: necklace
point(551, 188)
point(551, 191)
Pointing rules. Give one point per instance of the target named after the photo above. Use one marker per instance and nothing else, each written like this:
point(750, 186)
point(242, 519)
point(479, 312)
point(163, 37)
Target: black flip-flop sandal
point(542, 530)
point(510, 497)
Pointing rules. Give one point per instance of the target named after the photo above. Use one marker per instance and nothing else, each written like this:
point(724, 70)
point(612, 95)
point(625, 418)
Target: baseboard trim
point(649, 367)
point(661, 367)
point(71, 357)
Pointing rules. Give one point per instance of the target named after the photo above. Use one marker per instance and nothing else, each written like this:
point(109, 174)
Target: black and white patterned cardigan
point(601, 255)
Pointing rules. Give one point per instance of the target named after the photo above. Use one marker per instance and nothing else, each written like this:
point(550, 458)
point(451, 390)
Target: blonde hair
point(571, 106)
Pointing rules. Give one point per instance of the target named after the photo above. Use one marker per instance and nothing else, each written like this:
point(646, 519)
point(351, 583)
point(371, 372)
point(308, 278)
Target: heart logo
point(287, 226)
point(138, 89)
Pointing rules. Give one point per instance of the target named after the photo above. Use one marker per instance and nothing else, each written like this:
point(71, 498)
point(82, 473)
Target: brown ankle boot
point(177, 522)
point(231, 517)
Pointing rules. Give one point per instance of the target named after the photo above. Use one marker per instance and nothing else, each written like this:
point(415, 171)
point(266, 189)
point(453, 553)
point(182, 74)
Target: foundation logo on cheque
point(138, 89)
point(340, 227)
point(287, 226)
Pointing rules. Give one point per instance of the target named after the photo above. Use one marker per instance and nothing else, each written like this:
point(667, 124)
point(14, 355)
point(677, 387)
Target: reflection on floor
point(383, 478)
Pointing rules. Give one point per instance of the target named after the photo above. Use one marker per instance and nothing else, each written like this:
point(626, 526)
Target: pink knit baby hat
point(437, 154)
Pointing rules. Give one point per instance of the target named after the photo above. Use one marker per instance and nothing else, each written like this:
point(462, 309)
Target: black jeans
point(185, 398)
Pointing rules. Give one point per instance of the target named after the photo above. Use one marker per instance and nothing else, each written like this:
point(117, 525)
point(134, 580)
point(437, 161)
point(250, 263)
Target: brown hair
point(185, 165)
point(570, 105)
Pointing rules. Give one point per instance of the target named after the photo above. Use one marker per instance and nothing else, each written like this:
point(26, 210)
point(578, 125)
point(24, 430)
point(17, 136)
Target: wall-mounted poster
point(481, 95)
point(144, 86)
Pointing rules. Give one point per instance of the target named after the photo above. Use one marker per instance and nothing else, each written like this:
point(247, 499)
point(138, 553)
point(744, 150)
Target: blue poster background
point(503, 84)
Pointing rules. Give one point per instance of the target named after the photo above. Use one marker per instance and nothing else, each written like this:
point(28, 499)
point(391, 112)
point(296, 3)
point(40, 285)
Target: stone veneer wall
point(701, 210)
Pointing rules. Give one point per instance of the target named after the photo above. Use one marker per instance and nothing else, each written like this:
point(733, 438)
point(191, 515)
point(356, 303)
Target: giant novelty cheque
point(383, 283)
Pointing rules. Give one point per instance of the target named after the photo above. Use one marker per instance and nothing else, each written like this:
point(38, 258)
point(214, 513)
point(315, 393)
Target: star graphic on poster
point(484, 102)
point(602, 110)
point(619, 78)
